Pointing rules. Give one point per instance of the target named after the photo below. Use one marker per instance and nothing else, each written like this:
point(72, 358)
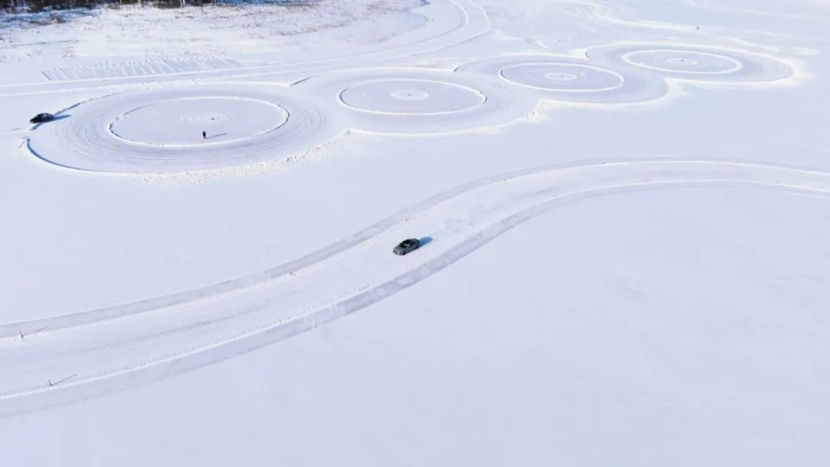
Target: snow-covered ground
point(241, 30)
point(623, 206)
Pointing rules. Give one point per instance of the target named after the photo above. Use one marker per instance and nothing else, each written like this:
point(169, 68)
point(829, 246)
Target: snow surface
point(623, 206)
point(194, 32)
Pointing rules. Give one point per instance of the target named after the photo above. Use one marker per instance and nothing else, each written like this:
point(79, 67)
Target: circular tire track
point(683, 61)
point(567, 79)
point(413, 101)
point(398, 96)
point(116, 133)
point(562, 77)
point(180, 122)
point(695, 63)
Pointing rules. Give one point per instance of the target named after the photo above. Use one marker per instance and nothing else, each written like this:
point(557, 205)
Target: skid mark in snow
point(411, 97)
point(632, 73)
point(160, 131)
point(112, 134)
point(119, 347)
point(414, 100)
point(180, 122)
point(265, 122)
point(703, 64)
point(563, 78)
point(683, 61)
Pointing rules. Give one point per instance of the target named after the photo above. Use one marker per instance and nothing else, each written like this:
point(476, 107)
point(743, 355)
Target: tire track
point(130, 347)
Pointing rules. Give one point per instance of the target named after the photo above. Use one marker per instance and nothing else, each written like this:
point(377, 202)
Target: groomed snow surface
point(622, 207)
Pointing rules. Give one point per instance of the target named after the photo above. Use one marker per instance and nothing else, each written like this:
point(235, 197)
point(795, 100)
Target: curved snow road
point(74, 357)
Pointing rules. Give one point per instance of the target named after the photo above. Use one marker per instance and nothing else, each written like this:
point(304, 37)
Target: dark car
point(407, 246)
point(40, 118)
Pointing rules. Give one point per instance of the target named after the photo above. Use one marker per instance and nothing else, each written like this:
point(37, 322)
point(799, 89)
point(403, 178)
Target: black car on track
point(407, 246)
point(42, 118)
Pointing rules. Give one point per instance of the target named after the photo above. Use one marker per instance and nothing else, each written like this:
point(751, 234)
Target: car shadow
point(425, 241)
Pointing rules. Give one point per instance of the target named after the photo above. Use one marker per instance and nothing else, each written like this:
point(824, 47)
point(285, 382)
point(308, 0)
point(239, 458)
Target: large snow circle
point(696, 63)
point(567, 77)
point(683, 61)
point(419, 101)
point(411, 96)
point(161, 130)
point(182, 121)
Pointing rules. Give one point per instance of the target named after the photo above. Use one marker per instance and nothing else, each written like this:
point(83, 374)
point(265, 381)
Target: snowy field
point(623, 206)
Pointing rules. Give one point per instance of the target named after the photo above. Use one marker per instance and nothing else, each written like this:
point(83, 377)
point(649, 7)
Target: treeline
point(35, 6)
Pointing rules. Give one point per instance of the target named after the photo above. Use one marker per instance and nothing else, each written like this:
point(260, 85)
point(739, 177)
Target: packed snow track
point(161, 130)
point(249, 122)
point(77, 356)
point(571, 80)
point(702, 64)
point(416, 101)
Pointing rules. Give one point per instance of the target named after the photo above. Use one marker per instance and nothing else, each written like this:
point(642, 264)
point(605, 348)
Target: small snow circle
point(683, 61)
point(562, 77)
point(180, 122)
point(402, 96)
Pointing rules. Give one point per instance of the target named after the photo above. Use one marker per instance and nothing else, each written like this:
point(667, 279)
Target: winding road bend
point(77, 356)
